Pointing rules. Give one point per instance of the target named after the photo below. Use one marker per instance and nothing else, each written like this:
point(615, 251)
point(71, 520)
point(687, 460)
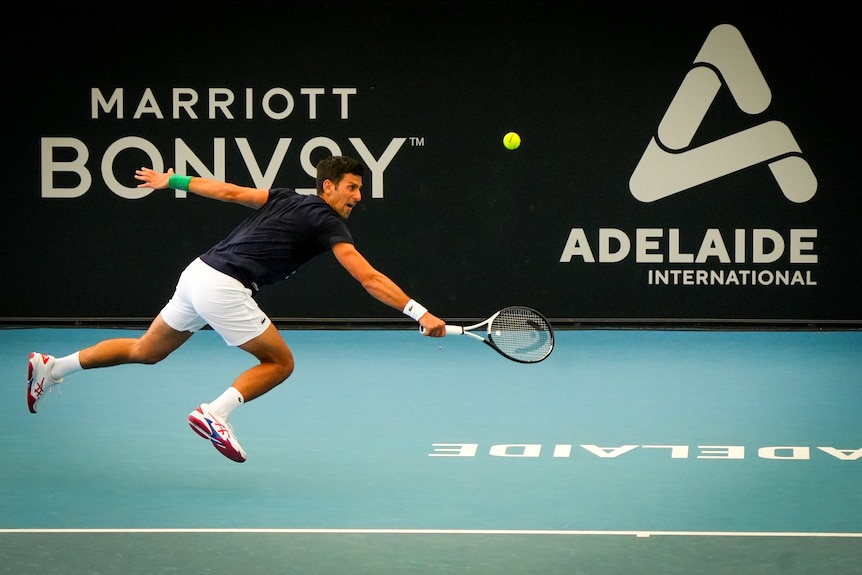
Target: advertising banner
point(678, 162)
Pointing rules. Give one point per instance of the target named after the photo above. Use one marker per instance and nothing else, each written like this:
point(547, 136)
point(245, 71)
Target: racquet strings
point(522, 334)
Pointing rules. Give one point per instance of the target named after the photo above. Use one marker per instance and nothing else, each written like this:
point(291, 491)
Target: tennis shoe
point(39, 379)
point(209, 426)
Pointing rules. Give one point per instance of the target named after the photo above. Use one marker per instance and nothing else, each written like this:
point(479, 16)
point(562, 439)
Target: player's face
point(343, 197)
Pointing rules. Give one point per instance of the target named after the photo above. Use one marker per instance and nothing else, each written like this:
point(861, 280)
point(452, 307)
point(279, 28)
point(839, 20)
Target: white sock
point(65, 365)
point(227, 402)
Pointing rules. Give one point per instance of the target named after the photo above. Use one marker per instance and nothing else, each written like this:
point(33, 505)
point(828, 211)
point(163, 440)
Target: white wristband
point(414, 310)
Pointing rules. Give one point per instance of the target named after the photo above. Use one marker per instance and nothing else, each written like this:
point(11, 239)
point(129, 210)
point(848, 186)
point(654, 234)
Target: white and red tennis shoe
point(209, 426)
point(39, 380)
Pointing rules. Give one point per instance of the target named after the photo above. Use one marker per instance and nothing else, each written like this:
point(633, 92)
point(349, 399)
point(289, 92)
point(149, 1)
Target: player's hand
point(432, 325)
point(152, 179)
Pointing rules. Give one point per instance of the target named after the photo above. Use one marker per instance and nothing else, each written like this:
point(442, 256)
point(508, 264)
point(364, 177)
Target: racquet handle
point(450, 330)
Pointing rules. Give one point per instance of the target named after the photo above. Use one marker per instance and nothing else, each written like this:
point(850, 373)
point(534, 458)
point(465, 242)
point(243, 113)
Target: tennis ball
point(512, 140)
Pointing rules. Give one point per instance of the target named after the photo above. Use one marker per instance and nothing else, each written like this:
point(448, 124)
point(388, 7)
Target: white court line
point(453, 532)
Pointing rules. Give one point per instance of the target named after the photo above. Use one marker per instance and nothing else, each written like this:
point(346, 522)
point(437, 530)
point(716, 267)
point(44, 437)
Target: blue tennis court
point(627, 451)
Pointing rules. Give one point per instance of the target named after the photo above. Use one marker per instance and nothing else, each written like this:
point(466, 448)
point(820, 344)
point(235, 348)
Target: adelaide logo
point(671, 165)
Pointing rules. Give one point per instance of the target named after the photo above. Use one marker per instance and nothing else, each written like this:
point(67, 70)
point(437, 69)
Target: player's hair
point(334, 168)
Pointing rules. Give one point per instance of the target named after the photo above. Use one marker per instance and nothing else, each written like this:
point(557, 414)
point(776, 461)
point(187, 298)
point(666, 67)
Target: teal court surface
point(626, 451)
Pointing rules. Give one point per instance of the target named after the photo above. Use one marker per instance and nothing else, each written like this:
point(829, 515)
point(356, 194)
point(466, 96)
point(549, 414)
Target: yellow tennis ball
point(512, 140)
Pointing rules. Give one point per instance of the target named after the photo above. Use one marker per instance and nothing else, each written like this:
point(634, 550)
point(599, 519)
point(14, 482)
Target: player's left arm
point(379, 286)
point(205, 187)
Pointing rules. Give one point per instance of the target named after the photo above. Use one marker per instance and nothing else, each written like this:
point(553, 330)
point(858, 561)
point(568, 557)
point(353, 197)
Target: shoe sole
point(197, 428)
point(31, 401)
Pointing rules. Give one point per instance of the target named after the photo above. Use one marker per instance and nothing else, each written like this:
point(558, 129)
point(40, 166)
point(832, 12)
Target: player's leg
point(210, 420)
point(172, 327)
point(276, 364)
point(45, 371)
point(159, 341)
point(229, 308)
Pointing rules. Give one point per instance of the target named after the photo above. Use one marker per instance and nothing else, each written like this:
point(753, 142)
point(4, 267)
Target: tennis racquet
point(518, 333)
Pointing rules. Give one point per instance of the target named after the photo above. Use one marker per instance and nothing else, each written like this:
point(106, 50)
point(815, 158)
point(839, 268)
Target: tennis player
point(217, 289)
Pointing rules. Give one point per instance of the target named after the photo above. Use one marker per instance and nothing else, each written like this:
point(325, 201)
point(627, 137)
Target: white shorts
point(205, 296)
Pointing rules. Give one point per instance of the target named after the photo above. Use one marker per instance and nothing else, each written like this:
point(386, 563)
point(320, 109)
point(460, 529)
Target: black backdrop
point(464, 225)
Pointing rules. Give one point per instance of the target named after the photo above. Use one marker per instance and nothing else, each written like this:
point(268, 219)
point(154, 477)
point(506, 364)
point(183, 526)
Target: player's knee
point(148, 355)
point(286, 367)
point(274, 355)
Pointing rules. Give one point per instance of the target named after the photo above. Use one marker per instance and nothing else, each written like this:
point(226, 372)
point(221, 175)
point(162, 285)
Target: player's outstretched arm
point(382, 288)
point(214, 189)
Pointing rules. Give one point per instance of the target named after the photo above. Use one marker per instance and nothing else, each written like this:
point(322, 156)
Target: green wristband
point(179, 182)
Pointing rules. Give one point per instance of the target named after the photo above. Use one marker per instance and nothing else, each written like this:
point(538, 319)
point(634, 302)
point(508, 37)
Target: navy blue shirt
point(281, 235)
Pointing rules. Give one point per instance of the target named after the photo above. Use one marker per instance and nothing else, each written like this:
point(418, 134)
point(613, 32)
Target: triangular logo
point(670, 165)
